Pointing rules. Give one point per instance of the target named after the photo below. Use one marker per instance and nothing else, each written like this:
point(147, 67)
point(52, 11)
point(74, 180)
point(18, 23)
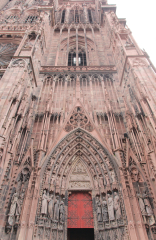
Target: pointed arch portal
point(77, 177)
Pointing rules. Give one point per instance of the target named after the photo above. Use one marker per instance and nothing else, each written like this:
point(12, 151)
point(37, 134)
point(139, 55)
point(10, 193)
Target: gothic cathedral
point(77, 124)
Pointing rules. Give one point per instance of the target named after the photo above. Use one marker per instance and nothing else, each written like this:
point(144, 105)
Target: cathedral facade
point(77, 124)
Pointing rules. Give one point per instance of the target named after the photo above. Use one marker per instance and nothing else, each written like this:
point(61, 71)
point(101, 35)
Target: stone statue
point(110, 208)
point(63, 182)
point(107, 178)
point(112, 173)
point(56, 208)
point(117, 206)
point(25, 174)
point(47, 177)
point(62, 211)
point(45, 200)
point(135, 174)
point(141, 204)
point(14, 209)
point(147, 204)
point(1, 154)
point(51, 206)
point(101, 182)
point(98, 209)
point(96, 182)
point(104, 210)
point(148, 208)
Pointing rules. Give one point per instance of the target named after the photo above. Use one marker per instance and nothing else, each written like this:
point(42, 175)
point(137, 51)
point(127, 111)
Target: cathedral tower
point(77, 124)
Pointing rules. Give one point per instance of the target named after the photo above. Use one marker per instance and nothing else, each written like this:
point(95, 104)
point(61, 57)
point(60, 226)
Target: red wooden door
point(80, 211)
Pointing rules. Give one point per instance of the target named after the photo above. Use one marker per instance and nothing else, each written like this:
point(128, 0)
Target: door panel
point(80, 211)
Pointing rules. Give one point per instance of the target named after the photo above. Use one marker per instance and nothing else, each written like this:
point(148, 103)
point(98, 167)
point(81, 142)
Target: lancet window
point(77, 58)
point(82, 58)
point(72, 58)
point(90, 16)
point(77, 16)
point(31, 19)
point(63, 16)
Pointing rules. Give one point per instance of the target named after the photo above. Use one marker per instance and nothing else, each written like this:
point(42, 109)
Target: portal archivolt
point(80, 146)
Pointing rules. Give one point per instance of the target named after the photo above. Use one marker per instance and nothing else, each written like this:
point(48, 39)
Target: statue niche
point(142, 194)
point(17, 198)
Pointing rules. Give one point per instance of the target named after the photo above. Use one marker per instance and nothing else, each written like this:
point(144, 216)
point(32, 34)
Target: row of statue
point(51, 208)
point(145, 207)
point(108, 210)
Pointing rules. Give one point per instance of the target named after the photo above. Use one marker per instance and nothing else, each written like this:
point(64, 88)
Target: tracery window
point(82, 58)
point(63, 16)
point(72, 59)
point(90, 16)
point(78, 59)
point(31, 19)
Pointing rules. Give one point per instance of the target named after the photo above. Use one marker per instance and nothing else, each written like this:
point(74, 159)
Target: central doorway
point(80, 216)
point(80, 234)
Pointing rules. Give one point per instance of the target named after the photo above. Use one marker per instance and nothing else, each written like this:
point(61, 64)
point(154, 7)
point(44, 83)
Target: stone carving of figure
point(56, 208)
point(45, 200)
point(104, 210)
point(107, 178)
point(96, 182)
point(107, 162)
point(62, 211)
point(117, 206)
point(135, 174)
point(112, 173)
point(98, 209)
point(148, 207)
point(47, 178)
point(14, 209)
point(63, 182)
point(25, 174)
point(1, 154)
point(101, 182)
point(51, 206)
point(141, 204)
point(110, 208)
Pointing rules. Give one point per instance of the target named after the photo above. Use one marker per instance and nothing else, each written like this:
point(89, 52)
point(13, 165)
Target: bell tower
point(77, 124)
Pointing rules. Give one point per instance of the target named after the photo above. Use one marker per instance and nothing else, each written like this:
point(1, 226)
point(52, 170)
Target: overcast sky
point(141, 19)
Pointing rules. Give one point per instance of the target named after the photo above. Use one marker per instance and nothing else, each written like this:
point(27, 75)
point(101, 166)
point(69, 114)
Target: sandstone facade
point(77, 124)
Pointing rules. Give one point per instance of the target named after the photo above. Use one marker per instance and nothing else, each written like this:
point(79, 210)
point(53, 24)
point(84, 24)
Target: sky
point(141, 19)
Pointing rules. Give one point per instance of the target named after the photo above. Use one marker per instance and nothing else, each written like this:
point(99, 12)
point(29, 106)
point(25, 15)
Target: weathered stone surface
point(77, 114)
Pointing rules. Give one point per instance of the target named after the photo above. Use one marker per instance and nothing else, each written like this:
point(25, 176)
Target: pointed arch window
point(82, 59)
point(31, 19)
point(63, 16)
point(76, 16)
point(77, 59)
point(72, 59)
point(90, 16)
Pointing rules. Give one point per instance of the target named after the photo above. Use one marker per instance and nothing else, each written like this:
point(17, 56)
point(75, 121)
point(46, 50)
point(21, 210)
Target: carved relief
point(79, 178)
point(18, 63)
point(78, 119)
